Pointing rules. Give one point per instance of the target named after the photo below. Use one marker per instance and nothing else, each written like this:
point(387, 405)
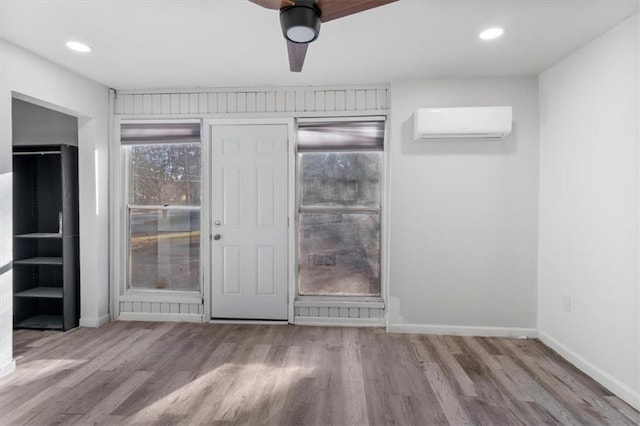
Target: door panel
point(232, 197)
point(232, 270)
point(249, 200)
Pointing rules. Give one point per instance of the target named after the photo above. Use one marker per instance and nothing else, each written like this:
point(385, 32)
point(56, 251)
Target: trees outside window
point(339, 208)
point(164, 216)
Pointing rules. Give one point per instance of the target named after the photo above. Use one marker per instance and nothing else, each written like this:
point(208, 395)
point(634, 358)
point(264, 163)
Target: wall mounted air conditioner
point(478, 123)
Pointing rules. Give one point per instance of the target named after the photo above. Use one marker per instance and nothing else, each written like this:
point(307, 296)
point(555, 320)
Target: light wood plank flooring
point(161, 373)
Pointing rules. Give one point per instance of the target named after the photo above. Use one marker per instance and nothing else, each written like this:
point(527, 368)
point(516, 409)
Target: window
point(163, 208)
point(339, 207)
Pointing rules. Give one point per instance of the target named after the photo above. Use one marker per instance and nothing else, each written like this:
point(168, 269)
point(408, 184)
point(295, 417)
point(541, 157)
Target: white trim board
point(254, 115)
point(614, 385)
point(162, 296)
point(292, 232)
point(94, 322)
point(254, 89)
point(159, 317)
point(249, 322)
point(339, 322)
point(318, 303)
point(457, 330)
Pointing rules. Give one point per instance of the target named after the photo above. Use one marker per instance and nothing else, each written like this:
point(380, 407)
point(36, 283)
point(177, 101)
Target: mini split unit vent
point(478, 123)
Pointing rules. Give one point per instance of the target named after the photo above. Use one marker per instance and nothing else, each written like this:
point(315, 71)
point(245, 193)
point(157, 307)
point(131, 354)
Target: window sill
point(338, 303)
point(161, 296)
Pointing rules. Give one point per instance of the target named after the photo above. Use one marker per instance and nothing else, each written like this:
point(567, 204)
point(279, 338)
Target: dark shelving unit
point(45, 246)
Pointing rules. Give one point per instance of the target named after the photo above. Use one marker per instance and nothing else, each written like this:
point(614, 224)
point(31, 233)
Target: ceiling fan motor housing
point(301, 22)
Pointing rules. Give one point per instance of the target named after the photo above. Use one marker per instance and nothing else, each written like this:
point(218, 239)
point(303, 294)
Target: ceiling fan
point(300, 20)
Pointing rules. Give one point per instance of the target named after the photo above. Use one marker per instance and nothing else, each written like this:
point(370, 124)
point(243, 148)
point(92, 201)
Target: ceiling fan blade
point(334, 9)
point(273, 4)
point(297, 52)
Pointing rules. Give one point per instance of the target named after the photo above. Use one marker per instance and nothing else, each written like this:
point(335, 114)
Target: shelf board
point(39, 261)
point(42, 292)
point(40, 235)
point(41, 322)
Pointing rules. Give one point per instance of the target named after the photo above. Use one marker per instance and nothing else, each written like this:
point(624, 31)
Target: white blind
point(341, 136)
point(155, 133)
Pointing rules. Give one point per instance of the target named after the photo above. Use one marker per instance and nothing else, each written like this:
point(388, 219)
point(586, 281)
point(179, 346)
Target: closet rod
point(36, 153)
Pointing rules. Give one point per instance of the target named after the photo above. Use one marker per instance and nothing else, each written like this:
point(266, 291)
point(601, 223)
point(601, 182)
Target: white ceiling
point(224, 43)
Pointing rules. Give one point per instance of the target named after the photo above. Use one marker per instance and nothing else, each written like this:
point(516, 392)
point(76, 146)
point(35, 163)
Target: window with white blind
point(339, 208)
point(163, 205)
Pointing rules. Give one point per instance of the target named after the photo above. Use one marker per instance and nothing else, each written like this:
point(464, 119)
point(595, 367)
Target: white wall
point(463, 215)
point(34, 125)
point(638, 121)
point(589, 216)
point(36, 80)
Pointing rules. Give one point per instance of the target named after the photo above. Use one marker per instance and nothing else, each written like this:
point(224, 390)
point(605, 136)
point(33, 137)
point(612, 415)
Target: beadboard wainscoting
point(339, 312)
point(161, 311)
point(283, 101)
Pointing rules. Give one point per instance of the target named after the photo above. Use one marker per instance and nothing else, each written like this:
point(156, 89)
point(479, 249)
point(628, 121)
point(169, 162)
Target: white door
point(249, 221)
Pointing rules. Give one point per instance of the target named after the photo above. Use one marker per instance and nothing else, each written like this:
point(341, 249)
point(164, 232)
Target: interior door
point(249, 222)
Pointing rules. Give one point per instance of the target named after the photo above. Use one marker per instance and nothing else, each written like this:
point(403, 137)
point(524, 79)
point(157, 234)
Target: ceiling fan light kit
point(301, 19)
point(301, 22)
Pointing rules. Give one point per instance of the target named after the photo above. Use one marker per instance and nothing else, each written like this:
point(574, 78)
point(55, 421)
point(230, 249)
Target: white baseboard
point(159, 317)
point(249, 322)
point(94, 322)
point(621, 390)
point(457, 330)
point(339, 322)
point(7, 369)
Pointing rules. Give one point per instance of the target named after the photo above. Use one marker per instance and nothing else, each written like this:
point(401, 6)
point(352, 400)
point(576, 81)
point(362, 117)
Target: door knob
point(217, 237)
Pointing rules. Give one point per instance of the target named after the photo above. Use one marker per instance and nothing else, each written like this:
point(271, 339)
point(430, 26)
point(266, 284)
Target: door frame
point(206, 224)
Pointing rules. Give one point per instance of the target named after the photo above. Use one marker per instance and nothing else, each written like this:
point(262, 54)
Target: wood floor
point(160, 373)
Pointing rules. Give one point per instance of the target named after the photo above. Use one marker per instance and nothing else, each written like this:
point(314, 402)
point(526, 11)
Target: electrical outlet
point(566, 303)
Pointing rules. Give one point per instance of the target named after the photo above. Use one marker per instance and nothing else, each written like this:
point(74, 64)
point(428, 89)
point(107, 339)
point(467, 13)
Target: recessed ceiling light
point(491, 33)
point(78, 47)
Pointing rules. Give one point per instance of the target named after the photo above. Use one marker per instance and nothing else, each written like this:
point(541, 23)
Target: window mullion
point(342, 210)
point(165, 207)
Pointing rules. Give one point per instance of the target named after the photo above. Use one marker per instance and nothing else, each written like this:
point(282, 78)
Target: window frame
point(346, 210)
point(127, 293)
